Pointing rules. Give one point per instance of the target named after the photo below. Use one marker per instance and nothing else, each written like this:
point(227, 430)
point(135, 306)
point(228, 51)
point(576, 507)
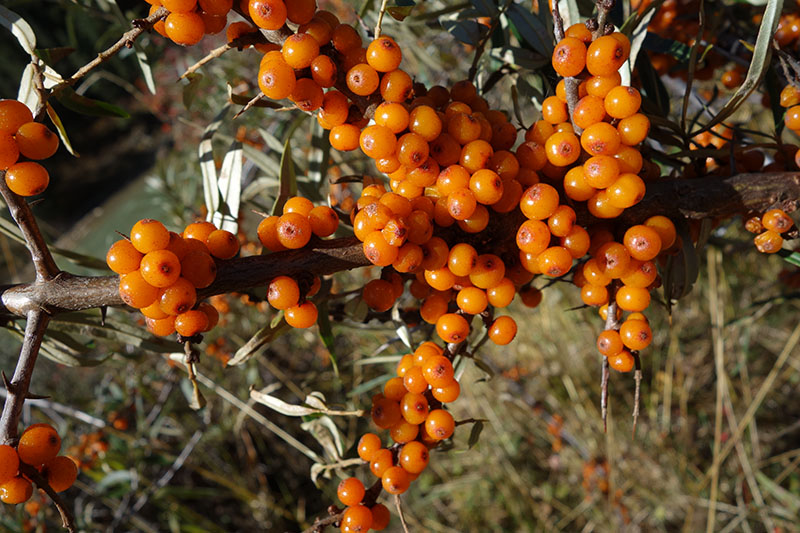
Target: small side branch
point(381, 13)
point(43, 261)
point(21, 381)
point(67, 520)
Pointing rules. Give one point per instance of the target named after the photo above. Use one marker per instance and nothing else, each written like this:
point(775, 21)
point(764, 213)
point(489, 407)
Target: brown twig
point(67, 520)
point(255, 37)
point(604, 7)
point(570, 84)
point(126, 41)
point(17, 388)
point(611, 323)
point(381, 13)
point(399, 504)
point(253, 101)
point(637, 377)
point(43, 261)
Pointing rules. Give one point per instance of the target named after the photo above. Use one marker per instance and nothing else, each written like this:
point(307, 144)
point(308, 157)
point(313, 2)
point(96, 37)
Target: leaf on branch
point(288, 177)
point(762, 52)
point(207, 166)
point(230, 190)
point(475, 434)
point(88, 106)
point(326, 334)
point(280, 406)
point(793, 258)
point(682, 269)
point(62, 131)
point(324, 430)
point(531, 29)
point(467, 31)
point(257, 342)
point(519, 57)
point(401, 9)
point(190, 89)
point(27, 91)
point(20, 28)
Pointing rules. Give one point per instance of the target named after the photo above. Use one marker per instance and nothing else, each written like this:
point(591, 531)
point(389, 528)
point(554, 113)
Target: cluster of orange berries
point(38, 447)
point(769, 228)
point(21, 136)
point(160, 272)
point(189, 20)
point(411, 407)
point(790, 98)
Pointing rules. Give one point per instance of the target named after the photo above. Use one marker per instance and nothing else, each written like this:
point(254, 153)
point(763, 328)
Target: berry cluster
point(769, 228)
point(160, 272)
point(38, 447)
point(21, 136)
point(790, 98)
point(189, 20)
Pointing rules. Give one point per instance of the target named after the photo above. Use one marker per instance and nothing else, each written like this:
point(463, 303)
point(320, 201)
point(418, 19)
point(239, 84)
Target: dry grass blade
point(715, 308)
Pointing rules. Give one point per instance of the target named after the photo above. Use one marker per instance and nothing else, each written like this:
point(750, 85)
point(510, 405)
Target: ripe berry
point(198, 268)
point(777, 220)
point(350, 491)
point(768, 242)
point(379, 295)
point(413, 457)
point(36, 141)
point(605, 56)
point(135, 291)
point(178, 297)
point(380, 517)
point(636, 334)
point(414, 407)
point(60, 472)
point(452, 328)
point(633, 298)
point(503, 330)
point(294, 230)
point(38, 444)
point(563, 148)
point(276, 79)
point(9, 463)
point(448, 393)
point(362, 79)
point(439, 424)
point(395, 480)
point(301, 316)
point(621, 362)
point(643, 242)
point(383, 54)
point(148, 235)
point(16, 490)
point(368, 445)
point(569, 57)
point(380, 461)
point(184, 28)
point(27, 178)
point(357, 519)
point(268, 14)
point(191, 323)
point(122, 257)
point(13, 114)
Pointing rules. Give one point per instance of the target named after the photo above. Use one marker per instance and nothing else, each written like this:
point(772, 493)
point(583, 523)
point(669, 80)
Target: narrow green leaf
point(51, 56)
point(190, 89)
point(682, 269)
point(486, 8)
point(62, 131)
point(467, 31)
point(230, 190)
point(19, 28)
point(519, 57)
point(288, 177)
point(793, 258)
point(762, 52)
point(88, 106)
point(475, 434)
point(400, 12)
point(531, 29)
point(326, 333)
point(319, 157)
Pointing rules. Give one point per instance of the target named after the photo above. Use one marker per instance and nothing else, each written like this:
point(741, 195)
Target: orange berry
point(636, 334)
point(396, 86)
point(9, 463)
point(276, 79)
point(199, 269)
point(555, 261)
point(357, 518)
point(301, 316)
point(503, 330)
point(413, 457)
point(268, 14)
point(299, 50)
point(452, 328)
point(768, 242)
point(643, 242)
point(38, 444)
point(539, 201)
point(622, 362)
point(350, 491)
point(563, 148)
point(16, 490)
point(368, 445)
point(294, 230)
point(447, 393)
point(222, 244)
point(605, 56)
point(27, 178)
point(633, 129)
point(36, 141)
point(609, 342)
point(123, 258)
point(777, 220)
point(627, 190)
point(160, 268)
point(379, 295)
point(383, 54)
point(211, 314)
point(362, 79)
point(184, 28)
point(191, 323)
point(569, 57)
point(13, 114)
point(135, 291)
point(633, 298)
point(283, 292)
point(307, 95)
point(439, 424)
point(600, 139)
point(178, 297)
point(395, 480)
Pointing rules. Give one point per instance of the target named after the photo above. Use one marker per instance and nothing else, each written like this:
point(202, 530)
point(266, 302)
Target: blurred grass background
point(542, 462)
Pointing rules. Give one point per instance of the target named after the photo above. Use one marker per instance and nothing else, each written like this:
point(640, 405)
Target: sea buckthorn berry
point(489, 270)
point(396, 86)
point(16, 490)
point(413, 457)
point(283, 292)
point(323, 71)
point(412, 150)
point(589, 110)
point(505, 164)
point(554, 261)
point(222, 244)
point(268, 14)
point(13, 114)
point(385, 412)
point(9, 463)
point(298, 204)
point(323, 220)
point(438, 370)
point(299, 50)
point(790, 96)
point(451, 179)
point(569, 57)
point(409, 258)
point(135, 291)
point(563, 148)
point(345, 137)
point(380, 460)
point(461, 204)
point(436, 253)
point(195, 230)
point(539, 201)
point(600, 86)
point(531, 297)
point(633, 129)
point(622, 102)
point(383, 54)
point(357, 519)
point(9, 152)
point(594, 295)
point(380, 517)
point(377, 250)
point(600, 171)
point(178, 297)
point(512, 193)
point(768, 242)
point(575, 185)
point(633, 298)
point(462, 259)
point(605, 56)
point(554, 110)
point(609, 342)
point(777, 220)
point(501, 294)
point(440, 279)
point(179, 6)
point(392, 115)
point(600, 206)
point(301, 316)
point(613, 259)
point(294, 230)
point(627, 190)
point(477, 222)
point(368, 444)
point(276, 80)
point(378, 142)
point(350, 491)
point(452, 328)
point(184, 28)
point(464, 127)
point(403, 432)
point(394, 389)
point(211, 314)
point(307, 95)
point(439, 424)
point(38, 444)
point(503, 330)
point(665, 229)
point(642, 242)
point(379, 295)
point(191, 323)
point(123, 258)
point(629, 159)
point(447, 393)
point(36, 141)
point(334, 110)
point(345, 38)
point(362, 79)
point(622, 362)
point(640, 274)
point(199, 269)
point(27, 178)
point(414, 380)
point(636, 334)
point(600, 139)
point(160, 268)
point(395, 480)
point(475, 155)
point(792, 118)
point(595, 275)
point(161, 327)
point(576, 242)
point(414, 407)
point(445, 149)
point(561, 221)
point(486, 186)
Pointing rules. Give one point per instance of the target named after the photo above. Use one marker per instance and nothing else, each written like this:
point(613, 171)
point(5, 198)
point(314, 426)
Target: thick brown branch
point(693, 199)
point(126, 41)
point(18, 387)
point(43, 262)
